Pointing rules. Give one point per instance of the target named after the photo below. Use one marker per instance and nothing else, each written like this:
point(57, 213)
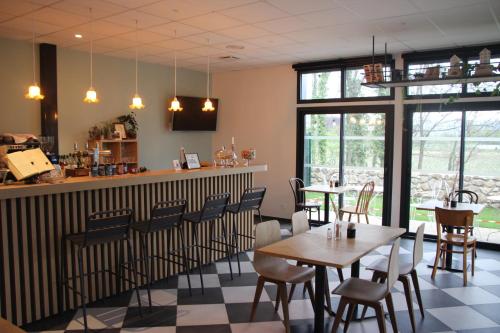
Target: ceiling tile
point(410, 27)
point(209, 38)
point(296, 7)
point(430, 5)
point(176, 44)
point(176, 29)
point(212, 21)
point(216, 5)
point(114, 43)
point(174, 9)
point(143, 36)
point(60, 18)
point(144, 20)
point(151, 49)
point(103, 28)
point(330, 17)
point(18, 7)
point(132, 3)
point(24, 23)
point(99, 8)
point(96, 48)
point(255, 12)
point(380, 8)
point(205, 51)
point(283, 25)
point(244, 32)
point(270, 41)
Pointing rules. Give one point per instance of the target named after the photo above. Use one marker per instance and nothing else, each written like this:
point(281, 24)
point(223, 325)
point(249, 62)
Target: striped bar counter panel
point(34, 218)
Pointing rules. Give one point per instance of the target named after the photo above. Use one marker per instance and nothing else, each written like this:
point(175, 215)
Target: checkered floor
point(226, 305)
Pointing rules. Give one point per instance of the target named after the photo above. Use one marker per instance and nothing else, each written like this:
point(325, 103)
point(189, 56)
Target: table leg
point(355, 274)
point(327, 207)
point(319, 299)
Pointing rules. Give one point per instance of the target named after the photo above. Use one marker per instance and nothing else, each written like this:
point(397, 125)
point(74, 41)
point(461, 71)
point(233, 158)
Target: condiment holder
point(351, 230)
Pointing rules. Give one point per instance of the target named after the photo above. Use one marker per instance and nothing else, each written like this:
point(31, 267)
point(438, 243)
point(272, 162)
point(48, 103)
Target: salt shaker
point(329, 233)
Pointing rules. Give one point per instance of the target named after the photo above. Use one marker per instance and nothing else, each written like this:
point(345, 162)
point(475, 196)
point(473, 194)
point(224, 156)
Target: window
point(419, 69)
point(320, 85)
point(353, 88)
point(483, 86)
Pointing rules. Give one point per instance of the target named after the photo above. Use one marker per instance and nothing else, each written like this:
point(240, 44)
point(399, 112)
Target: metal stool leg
point(198, 256)
point(211, 235)
point(82, 288)
point(64, 277)
point(236, 245)
point(145, 258)
point(184, 257)
point(228, 253)
point(131, 259)
point(260, 215)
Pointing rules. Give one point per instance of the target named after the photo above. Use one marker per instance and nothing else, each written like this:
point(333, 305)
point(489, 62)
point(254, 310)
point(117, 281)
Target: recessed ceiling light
point(235, 47)
point(78, 36)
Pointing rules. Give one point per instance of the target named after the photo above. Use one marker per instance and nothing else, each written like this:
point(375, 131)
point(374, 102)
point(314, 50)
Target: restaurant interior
point(249, 166)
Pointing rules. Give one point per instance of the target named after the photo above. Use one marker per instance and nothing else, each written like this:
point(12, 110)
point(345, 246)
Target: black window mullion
point(461, 168)
point(341, 157)
point(342, 82)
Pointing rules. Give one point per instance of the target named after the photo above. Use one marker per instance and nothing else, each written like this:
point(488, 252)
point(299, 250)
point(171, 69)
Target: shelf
point(432, 82)
point(116, 141)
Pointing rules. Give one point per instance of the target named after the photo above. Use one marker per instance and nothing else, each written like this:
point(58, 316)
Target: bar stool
point(165, 216)
point(213, 209)
point(102, 227)
point(250, 200)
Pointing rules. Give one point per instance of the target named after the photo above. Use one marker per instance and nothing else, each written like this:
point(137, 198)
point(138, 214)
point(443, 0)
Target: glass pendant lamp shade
point(34, 91)
point(91, 94)
point(208, 106)
point(136, 100)
point(175, 105)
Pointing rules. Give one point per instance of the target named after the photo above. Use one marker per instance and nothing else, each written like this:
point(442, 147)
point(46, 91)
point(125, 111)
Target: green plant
point(95, 133)
point(130, 122)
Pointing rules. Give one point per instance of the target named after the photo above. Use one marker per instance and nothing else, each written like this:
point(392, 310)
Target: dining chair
point(407, 266)
point(300, 198)
point(362, 203)
point(277, 270)
point(451, 219)
point(469, 197)
point(300, 224)
point(355, 291)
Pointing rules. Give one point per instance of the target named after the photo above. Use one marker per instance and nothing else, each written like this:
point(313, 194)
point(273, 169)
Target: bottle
point(95, 170)
point(182, 158)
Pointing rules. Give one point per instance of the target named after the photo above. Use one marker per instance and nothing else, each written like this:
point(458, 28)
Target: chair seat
point(361, 290)
point(308, 205)
point(457, 239)
point(380, 265)
point(280, 270)
point(192, 217)
point(349, 210)
point(78, 239)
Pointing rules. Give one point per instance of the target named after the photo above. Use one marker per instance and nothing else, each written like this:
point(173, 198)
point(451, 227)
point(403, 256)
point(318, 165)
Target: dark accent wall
point(48, 82)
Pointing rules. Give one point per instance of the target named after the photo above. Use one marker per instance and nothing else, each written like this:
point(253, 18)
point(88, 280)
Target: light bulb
point(208, 106)
point(34, 92)
point(91, 96)
point(175, 105)
point(136, 102)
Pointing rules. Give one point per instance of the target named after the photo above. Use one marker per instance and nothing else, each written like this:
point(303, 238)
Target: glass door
point(349, 145)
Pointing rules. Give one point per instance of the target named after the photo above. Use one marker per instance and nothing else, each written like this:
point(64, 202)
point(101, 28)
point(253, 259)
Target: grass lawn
point(489, 217)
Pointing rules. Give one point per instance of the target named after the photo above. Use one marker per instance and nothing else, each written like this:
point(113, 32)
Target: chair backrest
point(364, 197)
point(267, 233)
point(393, 268)
point(466, 196)
point(296, 184)
point(215, 206)
point(107, 225)
point(453, 218)
point(418, 245)
point(166, 215)
point(252, 198)
point(300, 223)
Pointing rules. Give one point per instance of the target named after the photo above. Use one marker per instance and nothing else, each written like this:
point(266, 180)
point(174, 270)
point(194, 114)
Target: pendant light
point(136, 100)
point(91, 95)
point(34, 90)
point(174, 104)
point(208, 106)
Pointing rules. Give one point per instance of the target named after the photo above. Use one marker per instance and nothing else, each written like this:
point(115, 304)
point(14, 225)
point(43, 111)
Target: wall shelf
point(432, 82)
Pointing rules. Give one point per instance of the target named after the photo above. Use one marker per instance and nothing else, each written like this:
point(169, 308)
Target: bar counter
point(34, 218)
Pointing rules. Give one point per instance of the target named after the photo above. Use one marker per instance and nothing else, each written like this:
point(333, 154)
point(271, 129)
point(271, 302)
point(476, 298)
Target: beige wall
point(258, 108)
point(114, 82)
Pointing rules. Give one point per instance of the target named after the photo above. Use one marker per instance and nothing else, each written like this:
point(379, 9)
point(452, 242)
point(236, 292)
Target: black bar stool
point(100, 228)
point(213, 209)
point(166, 215)
point(251, 200)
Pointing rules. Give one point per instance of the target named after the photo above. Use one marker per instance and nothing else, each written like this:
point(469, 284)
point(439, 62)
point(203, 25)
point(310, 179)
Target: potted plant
point(95, 133)
point(131, 125)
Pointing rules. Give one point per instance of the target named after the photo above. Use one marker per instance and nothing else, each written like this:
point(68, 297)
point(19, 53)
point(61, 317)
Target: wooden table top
point(432, 204)
point(325, 189)
point(314, 248)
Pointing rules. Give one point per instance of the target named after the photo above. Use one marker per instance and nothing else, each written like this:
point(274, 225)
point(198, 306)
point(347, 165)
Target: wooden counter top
point(91, 183)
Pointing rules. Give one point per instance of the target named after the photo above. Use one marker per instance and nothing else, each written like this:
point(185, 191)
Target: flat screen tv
point(191, 118)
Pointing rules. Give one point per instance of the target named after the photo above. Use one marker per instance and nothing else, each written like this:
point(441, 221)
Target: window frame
point(342, 65)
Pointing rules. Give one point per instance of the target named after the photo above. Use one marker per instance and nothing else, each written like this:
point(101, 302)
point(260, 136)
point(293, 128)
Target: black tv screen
point(191, 118)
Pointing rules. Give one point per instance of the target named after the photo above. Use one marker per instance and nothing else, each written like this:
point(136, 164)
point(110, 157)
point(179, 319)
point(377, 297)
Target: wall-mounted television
point(191, 118)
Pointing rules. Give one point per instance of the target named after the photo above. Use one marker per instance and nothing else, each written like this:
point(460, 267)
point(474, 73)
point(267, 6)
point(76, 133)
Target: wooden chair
point(470, 197)
point(8, 327)
point(406, 267)
point(356, 291)
point(300, 224)
point(362, 204)
point(451, 219)
point(277, 270)
point(300, 198)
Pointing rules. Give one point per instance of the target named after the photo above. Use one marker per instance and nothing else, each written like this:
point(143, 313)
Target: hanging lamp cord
point(136, 53)
point(91, 48)
point(33, 50)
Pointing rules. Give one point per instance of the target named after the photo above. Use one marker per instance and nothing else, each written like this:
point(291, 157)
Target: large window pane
point(418, 70)
point(435, 162)
point(353, 88)
point(481, 169)
point(483, 86)
point(321, 85)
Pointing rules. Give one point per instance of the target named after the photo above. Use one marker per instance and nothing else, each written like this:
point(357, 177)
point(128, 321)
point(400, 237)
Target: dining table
point(327, 191)
point(451, 265)
point(316, 249)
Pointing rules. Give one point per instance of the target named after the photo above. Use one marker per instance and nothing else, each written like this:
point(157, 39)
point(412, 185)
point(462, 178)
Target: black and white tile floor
point(225, 307)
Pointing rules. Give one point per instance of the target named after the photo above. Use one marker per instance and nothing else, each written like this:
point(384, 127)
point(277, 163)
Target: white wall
point(258, 108)
point(114, 82)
